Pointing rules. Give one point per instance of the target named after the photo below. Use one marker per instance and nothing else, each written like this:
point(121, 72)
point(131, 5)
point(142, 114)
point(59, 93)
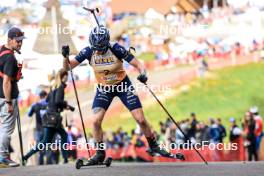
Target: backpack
point(51, 118)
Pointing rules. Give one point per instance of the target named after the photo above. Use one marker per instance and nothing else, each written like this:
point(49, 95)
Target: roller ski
point(156, 150)
point(164, 153)
point(97, 160)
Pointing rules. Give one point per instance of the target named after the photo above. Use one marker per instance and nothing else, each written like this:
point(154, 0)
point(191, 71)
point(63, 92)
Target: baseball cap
point(16, 33)
point(232, 119)
point(254, 109)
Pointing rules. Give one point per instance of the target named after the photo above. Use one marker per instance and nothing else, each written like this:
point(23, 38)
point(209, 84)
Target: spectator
point(163, 126)
point(10, 75)
point(126, 139)
point(194, 122)
point(179, 136)
point(245, 121)
point(214, 132)
point(136, 139)
point(222, 130)
point(205, 133)
point(163, 137)
point(73, 135)
point(251, 137)
point(198, 133)
point(168, 122)
point(186, 127)
point(235, 131)
point(259, 125)
point(170, 135)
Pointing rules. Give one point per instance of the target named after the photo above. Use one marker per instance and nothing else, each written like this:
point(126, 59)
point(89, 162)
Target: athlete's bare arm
point(138, 65)
point(73, 63)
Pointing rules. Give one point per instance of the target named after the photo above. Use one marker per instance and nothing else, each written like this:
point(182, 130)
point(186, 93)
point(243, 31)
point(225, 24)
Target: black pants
point(49, 133)
point(252, 151)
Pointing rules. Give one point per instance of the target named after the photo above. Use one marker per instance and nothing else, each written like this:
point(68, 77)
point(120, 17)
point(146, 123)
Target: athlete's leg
point(153, 144)
point(142, 122)
point(97, 119)
point(132, 102)
point(101, 103)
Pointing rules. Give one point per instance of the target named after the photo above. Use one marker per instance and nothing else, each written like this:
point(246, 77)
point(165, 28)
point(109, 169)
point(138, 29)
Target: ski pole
point(79, 108)
point(93, 12)
point(174, 122)
point(20, 137)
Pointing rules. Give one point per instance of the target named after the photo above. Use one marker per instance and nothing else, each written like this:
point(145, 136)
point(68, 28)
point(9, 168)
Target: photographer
point(52, 120)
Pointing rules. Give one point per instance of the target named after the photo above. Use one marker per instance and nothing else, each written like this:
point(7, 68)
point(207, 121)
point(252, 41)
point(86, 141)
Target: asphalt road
point(143, 169)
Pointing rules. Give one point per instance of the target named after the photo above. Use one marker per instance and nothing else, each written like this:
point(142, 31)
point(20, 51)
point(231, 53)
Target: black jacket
point(56, 100)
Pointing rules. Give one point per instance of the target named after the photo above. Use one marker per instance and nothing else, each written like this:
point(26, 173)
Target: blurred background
point(208, 54)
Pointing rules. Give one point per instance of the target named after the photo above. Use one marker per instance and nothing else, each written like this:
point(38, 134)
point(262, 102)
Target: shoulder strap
point(5, 52)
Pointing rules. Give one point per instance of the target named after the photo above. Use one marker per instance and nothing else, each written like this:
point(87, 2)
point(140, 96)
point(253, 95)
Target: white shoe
point(7, 162)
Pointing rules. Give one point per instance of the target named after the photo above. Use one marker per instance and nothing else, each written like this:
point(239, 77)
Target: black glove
point(142, 78)
point(65, 51)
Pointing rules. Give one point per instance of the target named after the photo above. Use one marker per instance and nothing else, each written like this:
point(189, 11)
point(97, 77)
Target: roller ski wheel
point(84, 162)
point(108, 162)
point(164, 153)
point(79, 163)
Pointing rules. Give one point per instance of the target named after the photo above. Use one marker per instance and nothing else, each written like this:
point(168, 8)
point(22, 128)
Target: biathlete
point(106, 60)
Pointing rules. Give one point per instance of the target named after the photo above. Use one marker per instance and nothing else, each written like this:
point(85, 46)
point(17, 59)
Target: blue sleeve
point(85, 53)
point(31, 110)
point(120, 52)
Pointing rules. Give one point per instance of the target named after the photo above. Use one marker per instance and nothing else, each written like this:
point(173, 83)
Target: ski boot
point(156, 150)
point(97, 159)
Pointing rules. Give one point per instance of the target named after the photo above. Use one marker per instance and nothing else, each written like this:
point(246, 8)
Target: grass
point(225, 93)
point(148, 56)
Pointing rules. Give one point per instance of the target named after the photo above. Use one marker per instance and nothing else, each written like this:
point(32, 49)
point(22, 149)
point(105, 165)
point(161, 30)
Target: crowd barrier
point(209, 153)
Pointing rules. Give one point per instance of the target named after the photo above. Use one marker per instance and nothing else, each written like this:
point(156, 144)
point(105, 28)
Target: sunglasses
point(19, 41)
